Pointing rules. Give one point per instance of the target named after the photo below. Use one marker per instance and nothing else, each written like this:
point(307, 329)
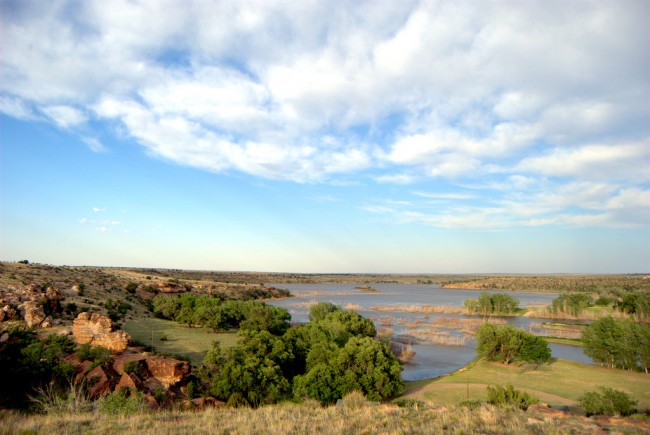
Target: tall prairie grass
point(352, 416)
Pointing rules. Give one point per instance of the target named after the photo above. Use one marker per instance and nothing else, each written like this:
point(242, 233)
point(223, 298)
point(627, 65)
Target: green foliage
point(507, 344)
point(317, 312)
point(116, 309)
point(499, 395)
point(487, 303)
point(122, 402)
point(607, 401)
point(571, 303)
point(211, 313)
point(28, 363)
point(323, 360)
point(635, 303)
point(251, 371)
point(134, 367)
point(98, 355)
point(618, 343)
point(131, 287)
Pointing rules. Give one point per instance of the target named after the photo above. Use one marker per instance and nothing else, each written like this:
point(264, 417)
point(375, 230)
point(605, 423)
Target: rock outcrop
point(168, 371)
point(97, 330)
point(33, 302)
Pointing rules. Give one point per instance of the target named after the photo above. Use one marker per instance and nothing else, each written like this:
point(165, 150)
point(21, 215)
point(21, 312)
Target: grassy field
point(171, 338)
point(560, 383)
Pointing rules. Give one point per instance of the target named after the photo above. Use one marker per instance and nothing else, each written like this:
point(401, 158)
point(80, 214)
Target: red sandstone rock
point(98, 379)
point(129, 381)
point(97, 330)
point(121, 360)
point(167, 370)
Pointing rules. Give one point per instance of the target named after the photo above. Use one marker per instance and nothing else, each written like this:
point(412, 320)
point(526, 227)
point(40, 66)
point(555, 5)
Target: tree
point(617, 343)
point(507, 344)
point(319, 311)
point(250, 373)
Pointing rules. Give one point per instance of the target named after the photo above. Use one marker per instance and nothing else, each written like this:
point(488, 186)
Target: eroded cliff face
point(97, 330)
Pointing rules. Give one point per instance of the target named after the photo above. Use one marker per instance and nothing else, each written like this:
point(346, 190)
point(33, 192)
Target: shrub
point(134, 367)
point(121, 403)
point(499, 395)
point(507, 344)
point(131, 287)
point(607, 401)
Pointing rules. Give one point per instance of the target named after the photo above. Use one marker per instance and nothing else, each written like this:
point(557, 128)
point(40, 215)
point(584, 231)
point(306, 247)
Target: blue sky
point(327, 136)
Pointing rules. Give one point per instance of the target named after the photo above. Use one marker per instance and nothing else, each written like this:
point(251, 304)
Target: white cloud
point(491, 94)
point(98, 209)
point(65, 116)
point(621, 161)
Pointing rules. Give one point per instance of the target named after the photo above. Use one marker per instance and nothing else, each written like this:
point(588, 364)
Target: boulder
point(169, 371)
point(98, 381)
point(129, 381)
point(97, 330)
point(121, 360)
point(33, 313)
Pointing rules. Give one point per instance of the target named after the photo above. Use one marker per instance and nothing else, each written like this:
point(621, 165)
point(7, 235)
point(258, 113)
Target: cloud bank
point(517, 113)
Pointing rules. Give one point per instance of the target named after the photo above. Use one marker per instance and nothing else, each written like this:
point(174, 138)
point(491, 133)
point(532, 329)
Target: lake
point(431, 360)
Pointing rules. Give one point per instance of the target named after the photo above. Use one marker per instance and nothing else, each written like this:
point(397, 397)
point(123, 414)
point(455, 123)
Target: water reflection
point(431, 360)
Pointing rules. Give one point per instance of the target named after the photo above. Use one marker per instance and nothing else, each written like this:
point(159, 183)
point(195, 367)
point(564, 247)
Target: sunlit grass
point(172, 338)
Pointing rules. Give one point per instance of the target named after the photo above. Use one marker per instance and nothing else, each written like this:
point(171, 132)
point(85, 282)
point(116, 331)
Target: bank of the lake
point(431, 359)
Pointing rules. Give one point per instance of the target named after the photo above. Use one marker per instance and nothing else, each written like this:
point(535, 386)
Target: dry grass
point(572, 332)
point(351, 417)
point(430, 309)
point(363, 417)
point(354, 307)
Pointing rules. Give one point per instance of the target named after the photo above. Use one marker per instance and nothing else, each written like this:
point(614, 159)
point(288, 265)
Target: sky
point(327, 136)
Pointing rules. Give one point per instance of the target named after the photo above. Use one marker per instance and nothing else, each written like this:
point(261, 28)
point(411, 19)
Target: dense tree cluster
point(28, 363)
point(335, 353)
point(212, 313)
point(618, 343)
point(507, 344)
point(487, 303)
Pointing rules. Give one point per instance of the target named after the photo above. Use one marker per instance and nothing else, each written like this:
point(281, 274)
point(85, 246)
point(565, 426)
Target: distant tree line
point(618, 343)
point(334, 354)
point(488, 304)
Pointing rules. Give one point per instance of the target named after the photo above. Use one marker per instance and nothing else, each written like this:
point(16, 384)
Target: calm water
point(430, 360)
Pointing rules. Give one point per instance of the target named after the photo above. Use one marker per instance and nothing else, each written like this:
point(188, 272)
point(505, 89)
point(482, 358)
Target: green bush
point(134, 367)
point(507, 344)
point(607, 401)
point(121, 403)
point(499, 395)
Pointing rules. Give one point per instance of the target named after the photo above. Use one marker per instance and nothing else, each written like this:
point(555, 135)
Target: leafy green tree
point(262, 317)
point(319, 311)
point(507, 344)
point(605, 342)
point(250, 373)
point(341, 325)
